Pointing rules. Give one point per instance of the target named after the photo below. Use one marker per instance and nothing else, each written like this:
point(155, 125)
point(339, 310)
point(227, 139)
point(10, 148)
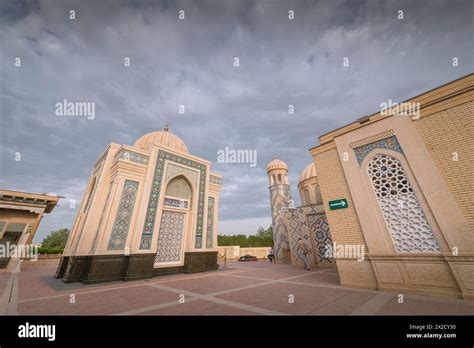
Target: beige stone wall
point(345, 227)
point(443, 187)
point(344, 223)
point(445, 133)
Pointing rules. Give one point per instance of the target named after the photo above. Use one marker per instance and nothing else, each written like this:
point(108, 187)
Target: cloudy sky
point(191, 62)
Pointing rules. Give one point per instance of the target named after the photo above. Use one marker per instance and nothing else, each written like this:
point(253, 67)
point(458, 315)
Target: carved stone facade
point(146, 211)
point(409, 197)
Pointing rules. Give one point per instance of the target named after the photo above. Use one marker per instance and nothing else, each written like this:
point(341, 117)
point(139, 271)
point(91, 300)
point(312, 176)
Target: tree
point(56, 239)
point(265, 233)
point(263, 238)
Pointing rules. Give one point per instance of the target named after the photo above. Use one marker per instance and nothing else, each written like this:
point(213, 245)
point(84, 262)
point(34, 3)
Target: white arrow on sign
point(343, 203)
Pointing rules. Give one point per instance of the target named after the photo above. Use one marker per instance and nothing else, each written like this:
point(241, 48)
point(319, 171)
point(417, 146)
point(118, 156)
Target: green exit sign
point(338, 204)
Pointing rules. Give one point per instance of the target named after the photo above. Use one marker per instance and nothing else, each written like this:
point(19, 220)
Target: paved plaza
point(250, 288)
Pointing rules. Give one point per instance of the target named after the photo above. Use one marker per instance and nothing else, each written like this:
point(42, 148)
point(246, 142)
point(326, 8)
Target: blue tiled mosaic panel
point(152, 208)
point(119, 234)
point(390, 143)
point(132, 156)
point(177, 203)
point(210, 222)
point(280, 197)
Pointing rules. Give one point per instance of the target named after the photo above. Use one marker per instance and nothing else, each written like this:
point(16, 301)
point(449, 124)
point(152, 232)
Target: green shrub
point(49, 250)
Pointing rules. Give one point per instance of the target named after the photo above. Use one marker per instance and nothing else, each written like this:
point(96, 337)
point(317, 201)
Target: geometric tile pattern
point(170, 237)
point(174, 170)
point(128, 155)
point(390, 143)
point(118, 236)
point(152, 208)
point(298, 228)
point(177, 203)
point(210, 222)
point(280, 197)
point(179, 188)
point(402, 211)
point(322, 236)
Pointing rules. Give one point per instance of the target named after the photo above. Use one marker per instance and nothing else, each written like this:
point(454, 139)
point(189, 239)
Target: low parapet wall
point(43, 260)
point(235, 251)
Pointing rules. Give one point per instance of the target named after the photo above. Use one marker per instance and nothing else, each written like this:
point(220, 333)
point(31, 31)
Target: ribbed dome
point(161, 138)
point(308, 172)
point(276, 164)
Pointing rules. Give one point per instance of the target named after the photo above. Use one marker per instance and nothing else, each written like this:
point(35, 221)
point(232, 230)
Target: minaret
point(280, 198)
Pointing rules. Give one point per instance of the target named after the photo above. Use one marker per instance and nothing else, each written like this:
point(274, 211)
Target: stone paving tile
point(199, 307)
point(269, 274)
point(36, 286)
point(320, 278)
point(113, 301)
point(210, 284)
point(262, 265)
point(426, 307)
point(276, 297)
point(4, 279)
point(344, 305)
point(316, 293)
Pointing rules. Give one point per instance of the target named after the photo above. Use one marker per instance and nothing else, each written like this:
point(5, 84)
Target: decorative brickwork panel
point(152, 208)
point(177, 203)
point(390, 143)
point(280, 197)
point(179, 188)
point(121, 226)
point(210, 223)
point(345, 226)
point(448, 136)
point(128, 155)
point(170, 237)
point(174, 170)
point(320, 230)
point(406, 221)
point(298, 228)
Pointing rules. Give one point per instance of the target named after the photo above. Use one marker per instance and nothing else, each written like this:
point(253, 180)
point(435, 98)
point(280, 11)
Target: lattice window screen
point(406, 221)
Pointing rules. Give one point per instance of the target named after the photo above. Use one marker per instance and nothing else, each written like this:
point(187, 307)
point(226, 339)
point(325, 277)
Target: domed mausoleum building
point(290, 223)
point(148, 209)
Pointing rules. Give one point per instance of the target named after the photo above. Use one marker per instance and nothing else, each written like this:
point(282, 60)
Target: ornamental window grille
point(401, 209)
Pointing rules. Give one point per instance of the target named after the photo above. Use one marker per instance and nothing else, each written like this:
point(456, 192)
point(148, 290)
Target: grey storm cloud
point(190, 62)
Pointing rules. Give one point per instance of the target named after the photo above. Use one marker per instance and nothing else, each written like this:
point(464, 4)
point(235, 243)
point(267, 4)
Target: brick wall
point(447, 132)
point(344, 224)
